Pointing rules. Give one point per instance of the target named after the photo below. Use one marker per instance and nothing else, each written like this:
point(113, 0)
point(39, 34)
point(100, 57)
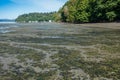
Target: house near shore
point(38, 21)
point(50, 21)
point(32, 21)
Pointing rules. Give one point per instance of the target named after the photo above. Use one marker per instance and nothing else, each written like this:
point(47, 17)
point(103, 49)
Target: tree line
point(79, 11)
point(35, 17)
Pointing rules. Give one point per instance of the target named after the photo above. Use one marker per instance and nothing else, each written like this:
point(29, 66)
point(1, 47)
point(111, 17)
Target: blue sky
point(10, 9)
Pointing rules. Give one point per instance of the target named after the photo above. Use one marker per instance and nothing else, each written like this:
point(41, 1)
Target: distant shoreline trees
point(35, 17)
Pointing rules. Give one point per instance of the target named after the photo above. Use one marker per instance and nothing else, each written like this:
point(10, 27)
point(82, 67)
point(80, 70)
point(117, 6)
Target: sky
point(11, 9)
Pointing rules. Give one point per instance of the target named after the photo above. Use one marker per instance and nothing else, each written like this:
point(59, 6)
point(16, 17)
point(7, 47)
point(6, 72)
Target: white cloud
point(47, 5)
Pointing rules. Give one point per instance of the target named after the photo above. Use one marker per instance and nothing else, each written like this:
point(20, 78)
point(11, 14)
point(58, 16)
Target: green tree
point(36, 17)
point(82, 14)
point(111, 15)
point(79, 11)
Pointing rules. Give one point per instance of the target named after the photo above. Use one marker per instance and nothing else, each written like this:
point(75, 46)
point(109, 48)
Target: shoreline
point(111, 25)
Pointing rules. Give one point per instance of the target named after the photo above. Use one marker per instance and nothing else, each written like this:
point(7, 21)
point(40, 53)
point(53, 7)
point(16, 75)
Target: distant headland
point(7, 20)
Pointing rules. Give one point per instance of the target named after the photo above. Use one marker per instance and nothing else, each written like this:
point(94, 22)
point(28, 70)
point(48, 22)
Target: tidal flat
point(59, 51)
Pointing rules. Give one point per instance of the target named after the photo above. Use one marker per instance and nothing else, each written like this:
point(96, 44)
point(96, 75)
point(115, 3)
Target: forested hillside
point(77, 11)
point(38, 17)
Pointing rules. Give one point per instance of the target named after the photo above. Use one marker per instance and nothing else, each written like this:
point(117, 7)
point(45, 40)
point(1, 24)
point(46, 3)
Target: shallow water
point(54, 33)
point(53, 51)
point(5, 26)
